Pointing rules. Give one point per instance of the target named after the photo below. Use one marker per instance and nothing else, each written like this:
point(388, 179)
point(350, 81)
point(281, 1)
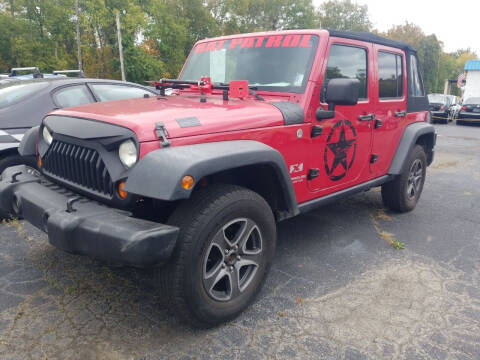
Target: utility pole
point(79, 49)
point(120, 49)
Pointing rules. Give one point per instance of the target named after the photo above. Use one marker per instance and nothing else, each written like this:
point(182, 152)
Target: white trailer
point(472, 81)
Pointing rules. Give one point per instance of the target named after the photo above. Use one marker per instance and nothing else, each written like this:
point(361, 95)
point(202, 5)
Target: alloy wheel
point(415, 177)
point(232, 259)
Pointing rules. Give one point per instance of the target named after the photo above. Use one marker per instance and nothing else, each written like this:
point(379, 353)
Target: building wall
point(472, 85)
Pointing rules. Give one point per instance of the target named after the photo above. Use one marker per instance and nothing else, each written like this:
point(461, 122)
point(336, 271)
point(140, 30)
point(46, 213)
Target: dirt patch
point(385, 235)
point(398, 307)
point(445, 164)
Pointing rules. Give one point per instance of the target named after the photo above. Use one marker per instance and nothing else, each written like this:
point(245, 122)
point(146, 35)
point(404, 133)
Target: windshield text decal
point(275, 41)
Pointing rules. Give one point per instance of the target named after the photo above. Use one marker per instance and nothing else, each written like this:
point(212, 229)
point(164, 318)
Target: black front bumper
point(87, 228)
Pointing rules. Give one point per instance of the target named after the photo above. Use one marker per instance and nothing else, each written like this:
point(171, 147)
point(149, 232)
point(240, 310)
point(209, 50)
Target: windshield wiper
point(258, 97)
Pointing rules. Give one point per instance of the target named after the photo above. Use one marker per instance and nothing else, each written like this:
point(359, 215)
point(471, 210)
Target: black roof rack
point(79, 72)
point(369, 37)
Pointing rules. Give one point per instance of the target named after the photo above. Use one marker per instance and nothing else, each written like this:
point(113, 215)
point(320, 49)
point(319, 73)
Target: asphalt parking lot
point(338, 288)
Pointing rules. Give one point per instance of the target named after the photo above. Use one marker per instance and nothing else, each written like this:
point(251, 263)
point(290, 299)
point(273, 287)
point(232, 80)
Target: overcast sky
point(455, 22)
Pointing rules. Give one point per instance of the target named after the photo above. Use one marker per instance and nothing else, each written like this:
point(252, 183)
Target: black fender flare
point(158, 174)
point(28, 145)
point(409, 139)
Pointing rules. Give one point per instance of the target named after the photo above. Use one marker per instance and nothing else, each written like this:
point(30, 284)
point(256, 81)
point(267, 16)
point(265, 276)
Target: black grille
point(78, 165)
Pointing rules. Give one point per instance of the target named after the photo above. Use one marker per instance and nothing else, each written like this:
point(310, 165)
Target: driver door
point(341, 146)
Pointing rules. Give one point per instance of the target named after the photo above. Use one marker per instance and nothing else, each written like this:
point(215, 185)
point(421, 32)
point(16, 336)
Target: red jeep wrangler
point(257, 129)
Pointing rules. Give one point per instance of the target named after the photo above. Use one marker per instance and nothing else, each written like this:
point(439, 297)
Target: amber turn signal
point(122, 193)
point(39, 162)
point(188, 182)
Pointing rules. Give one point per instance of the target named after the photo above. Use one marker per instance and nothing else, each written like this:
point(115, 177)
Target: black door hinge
point(313, 173)
point(162, 134)
point(316, 131)
point(378, 124)
point(373, 159)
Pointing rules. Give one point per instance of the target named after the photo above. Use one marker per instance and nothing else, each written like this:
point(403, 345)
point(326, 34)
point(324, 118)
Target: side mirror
point(339, 92)
point(342, 92)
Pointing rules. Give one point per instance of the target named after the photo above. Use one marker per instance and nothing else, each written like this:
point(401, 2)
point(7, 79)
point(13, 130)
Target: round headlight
point(128, 153)
point(47, 136)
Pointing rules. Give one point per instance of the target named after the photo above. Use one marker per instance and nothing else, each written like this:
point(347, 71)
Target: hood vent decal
point(188, 122)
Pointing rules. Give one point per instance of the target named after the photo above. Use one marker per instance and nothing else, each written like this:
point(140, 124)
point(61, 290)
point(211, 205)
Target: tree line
point(157, 35)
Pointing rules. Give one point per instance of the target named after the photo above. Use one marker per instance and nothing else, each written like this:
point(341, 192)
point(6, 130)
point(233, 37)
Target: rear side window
point(109, 92)
point(347, 62)
point(73, 96)
point(416, 86)
point(390, 75)
point(10, 94)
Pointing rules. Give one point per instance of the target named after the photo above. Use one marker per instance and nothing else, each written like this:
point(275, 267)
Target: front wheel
point(403, 193)
point(224, 250)
point(11, 160)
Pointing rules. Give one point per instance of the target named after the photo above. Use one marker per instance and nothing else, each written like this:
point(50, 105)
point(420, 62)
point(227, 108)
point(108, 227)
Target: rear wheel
point(403, 193)
point(223, 253)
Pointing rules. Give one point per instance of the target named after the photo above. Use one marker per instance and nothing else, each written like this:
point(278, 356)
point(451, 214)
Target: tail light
point(464, 108)
point(442, 107)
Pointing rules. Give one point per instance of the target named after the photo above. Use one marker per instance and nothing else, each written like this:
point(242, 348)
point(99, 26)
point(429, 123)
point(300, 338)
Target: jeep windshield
point(279, 63)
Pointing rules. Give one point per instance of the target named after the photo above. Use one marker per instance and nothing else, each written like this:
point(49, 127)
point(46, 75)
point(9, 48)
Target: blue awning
point(472, 65)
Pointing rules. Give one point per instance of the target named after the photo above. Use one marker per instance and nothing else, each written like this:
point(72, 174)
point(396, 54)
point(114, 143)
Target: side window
point(416, 86)
point(73, 96)
point(347, 62)
point(390, 75)
point(109, 92)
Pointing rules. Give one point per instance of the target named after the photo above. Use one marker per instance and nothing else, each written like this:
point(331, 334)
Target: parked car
point(470, 112)
point(24, 104)
point(195, 182)
point(439, 107)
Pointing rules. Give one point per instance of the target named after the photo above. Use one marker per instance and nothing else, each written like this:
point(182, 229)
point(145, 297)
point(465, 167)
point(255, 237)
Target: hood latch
point(162, 134)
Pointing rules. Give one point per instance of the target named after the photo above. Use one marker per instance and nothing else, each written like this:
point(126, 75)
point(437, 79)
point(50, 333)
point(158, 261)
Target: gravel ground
point(338, 288)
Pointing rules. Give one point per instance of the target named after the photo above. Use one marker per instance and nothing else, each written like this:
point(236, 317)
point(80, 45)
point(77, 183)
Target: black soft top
point(415, 103)
point(369, 37)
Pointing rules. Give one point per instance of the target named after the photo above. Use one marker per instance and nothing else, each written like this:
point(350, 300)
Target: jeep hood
point(182, 115)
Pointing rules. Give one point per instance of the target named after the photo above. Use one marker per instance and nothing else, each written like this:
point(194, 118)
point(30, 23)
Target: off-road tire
point(15, 159)
point(395, 194)
point(200, 218)
point(9, 160)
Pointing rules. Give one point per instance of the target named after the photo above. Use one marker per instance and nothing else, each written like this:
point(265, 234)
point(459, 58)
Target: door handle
point(368, 117)
point(316, 131)
point(401, 114)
